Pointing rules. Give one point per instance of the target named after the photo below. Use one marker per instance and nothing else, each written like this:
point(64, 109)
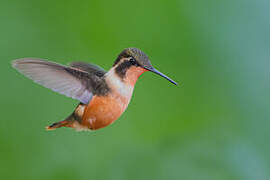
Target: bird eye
point(132, 61)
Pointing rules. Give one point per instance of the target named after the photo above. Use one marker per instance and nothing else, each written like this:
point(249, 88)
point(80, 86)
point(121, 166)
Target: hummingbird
point(103, 95)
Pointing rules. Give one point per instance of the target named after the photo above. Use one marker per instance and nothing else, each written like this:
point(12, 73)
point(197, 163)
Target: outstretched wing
point(90, 68)
point(72, 82)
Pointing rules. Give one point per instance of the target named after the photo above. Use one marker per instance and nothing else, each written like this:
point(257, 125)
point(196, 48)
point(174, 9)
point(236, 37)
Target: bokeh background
point(214, 125)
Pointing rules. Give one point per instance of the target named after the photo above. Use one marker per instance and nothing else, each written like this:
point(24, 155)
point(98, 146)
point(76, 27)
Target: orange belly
point(103, 110)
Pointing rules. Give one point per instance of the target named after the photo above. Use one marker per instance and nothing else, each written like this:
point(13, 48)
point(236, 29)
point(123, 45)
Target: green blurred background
point(215, 125)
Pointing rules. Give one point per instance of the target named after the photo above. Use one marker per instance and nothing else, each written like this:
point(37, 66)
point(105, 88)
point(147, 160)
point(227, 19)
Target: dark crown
point(136, 53)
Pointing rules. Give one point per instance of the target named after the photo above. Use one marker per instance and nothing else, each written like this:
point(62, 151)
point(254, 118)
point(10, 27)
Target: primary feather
point(74, 82)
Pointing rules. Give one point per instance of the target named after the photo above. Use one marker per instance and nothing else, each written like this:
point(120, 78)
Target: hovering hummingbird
point(103, 96)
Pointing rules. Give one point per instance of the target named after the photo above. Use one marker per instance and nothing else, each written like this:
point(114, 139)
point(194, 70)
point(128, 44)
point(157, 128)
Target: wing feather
point(90, 68)
point(72, 82)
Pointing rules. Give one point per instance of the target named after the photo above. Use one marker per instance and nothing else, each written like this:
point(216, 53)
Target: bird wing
point(70, 81)
point(90, 68)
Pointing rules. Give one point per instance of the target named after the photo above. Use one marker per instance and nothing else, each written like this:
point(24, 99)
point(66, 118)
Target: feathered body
point(103, 96)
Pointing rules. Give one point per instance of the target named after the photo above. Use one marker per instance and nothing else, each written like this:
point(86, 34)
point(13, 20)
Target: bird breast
point(103, 110)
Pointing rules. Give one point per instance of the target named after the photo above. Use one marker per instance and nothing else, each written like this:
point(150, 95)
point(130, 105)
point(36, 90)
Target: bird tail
point(71, 120)
point(68, 122)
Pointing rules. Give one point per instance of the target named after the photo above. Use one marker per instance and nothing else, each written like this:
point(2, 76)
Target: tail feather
point(59, 124)
point(65, 123)
point(69, 121)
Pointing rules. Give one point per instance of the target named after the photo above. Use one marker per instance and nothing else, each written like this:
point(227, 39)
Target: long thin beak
point(160, 73)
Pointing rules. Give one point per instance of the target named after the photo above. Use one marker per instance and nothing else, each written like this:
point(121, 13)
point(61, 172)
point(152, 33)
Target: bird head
point(132, 62)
